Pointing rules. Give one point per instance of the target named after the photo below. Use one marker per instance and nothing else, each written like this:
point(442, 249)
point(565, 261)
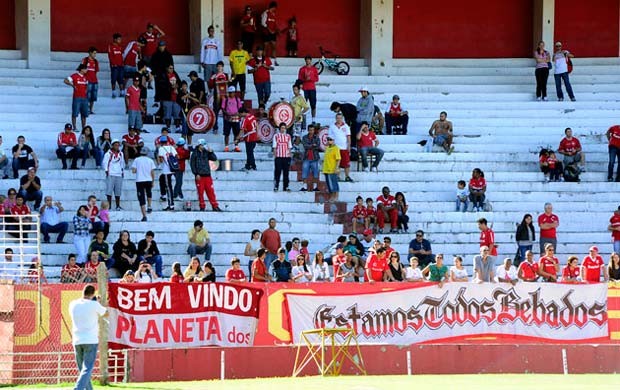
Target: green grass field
point(440, 382)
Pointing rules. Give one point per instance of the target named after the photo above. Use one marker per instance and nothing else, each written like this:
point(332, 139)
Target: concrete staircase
point(498, 128)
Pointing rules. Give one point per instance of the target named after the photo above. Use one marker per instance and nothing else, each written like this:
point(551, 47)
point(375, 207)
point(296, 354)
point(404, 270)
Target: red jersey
point(371, 210)
point(92, 67)
point(395, 110)
point(250, 128)
point(309, 75)
point(487, 238)
point(169, 140)
point(261, 74)
point(249, 25)
point(80, 83)
point(65, 139)
point(336, 261)
point(569, 272)
point(551, 162)
point(592, 268)
point(569, 145)
point(367, 140)
point(359, 211)
point(258, 267)
point(151, 43)
point(477, 184)
point(543, 159)
point(615, 222)
point(135, 140)
point(388, 252)
point(90, 268)
point(20, 210)
point(544, 218)
point(530, 270)
point(174, 83)
point(115, 54)
point(235, 274)
point(269, 21)
point(176, 278)
point(93, 212)
point(386, 201)
point(133, 98)
point(182, 156)
point(71, 269)
point(614, 136)
point(132, 54)
point(377, 267)
point(547, 264)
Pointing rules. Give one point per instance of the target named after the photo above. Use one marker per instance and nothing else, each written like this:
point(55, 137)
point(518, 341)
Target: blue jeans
point(617, 246)
point(18, 164)
point(331, 179)
point(6, 166)
point(558, 85)
point(60, 228)
point(464, 203)
point(614, 154)
point(98, 156)
point(134, 119)
point(194, 250)
point(91, 92)
point(308, 166)
point(155, 260)
point(263, 90)
point(522, 250)
point(178, 184)
point(378, 153)
point(85, 357)
point(35, 196)
point(269, 258)
point(79, 106)
point(116, 76)
point(86, 151)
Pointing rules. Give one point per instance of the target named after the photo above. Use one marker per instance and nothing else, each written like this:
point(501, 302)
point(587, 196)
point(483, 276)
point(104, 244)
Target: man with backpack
point(230, 106)
point(167, 157)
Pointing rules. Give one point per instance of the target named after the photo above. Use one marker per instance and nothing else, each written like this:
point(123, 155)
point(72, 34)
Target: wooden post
point(102, 286)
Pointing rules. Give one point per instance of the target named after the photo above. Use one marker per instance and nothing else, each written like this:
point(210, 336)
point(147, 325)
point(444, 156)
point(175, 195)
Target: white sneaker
point(538, 98)
point(365, 169)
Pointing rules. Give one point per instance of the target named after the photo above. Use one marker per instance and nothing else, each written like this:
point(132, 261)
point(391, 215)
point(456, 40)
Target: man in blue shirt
point(421, 248)
point(280, 268)
point(50, 220)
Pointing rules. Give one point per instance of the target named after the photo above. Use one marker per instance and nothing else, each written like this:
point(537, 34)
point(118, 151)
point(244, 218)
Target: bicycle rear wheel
point(342, 68)
point(319, 66)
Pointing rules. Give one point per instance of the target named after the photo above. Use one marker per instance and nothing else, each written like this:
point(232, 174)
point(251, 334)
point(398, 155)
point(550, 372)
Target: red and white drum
point(200, 119)
point(282, 112)
point(323, 137)
point(265, 131)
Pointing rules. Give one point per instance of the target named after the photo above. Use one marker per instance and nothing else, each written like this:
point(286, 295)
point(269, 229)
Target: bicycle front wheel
point(342, 68)
point(319, 66)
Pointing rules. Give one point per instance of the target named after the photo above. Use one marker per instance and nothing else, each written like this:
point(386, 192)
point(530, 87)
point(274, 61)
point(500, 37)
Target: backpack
point(173, 163)
point(571, 173)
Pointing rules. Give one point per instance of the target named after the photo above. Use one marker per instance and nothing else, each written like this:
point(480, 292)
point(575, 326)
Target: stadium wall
point(7, 25)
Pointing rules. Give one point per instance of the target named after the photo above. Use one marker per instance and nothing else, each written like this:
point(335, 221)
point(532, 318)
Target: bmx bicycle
point(340, 67)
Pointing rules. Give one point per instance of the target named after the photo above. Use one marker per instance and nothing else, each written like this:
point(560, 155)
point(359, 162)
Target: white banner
point(559, 312)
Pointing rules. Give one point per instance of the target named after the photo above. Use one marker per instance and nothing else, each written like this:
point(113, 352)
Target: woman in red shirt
point(477, 189)
point(572, 273)
point(177, 275)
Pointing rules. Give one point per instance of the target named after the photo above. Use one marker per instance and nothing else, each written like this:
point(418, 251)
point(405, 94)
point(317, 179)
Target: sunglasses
point(419, 235)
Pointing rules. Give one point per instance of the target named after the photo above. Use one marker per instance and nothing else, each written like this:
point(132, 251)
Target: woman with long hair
point(251, 250)
point(477, 189)
point(613, 269)
point(177, 274)
point(124, 253)
point(543, 59)
point(86, 144)
point(401, 208)
point(397, 269)
point(102, 145)
point(193, 272)
point(525, 236)
point(320, 269)
point(301, 273)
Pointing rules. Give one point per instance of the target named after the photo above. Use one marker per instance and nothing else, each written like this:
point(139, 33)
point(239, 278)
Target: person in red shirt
point(79, 83)
point(218, 82)
point(396, 116)
point(260, 67)
point(235, 274)
point(271, 241)
point(67, 147)
point(133, 105)
point(591, 267)
point(613, 136)
point(387, 245)
point(309, 75)
point(270, 29)
point(249, 125)
point(337, 259)
point(92, 68)
point(571, 273)
point(259, 268)
point(248, 29)
point(614, 228)
point(570, 148)
point(182, 155)
point(371, 212)
point(131, 56)
point(360, 214)
point(115, 57)
point(152, 36)
point(549, 265)
point(548, 223)
point(292, 37)
point(477, 189)
point(386, 209)
point(487, 237)
point(367, 143)
point(132, 143)
point(20, 208)
point(377, 266)
point(528, 269)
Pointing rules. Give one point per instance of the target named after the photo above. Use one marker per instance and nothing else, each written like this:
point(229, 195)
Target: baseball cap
point(594, 248)
point(363, 88)
point(162, 43)
point(232, 89)
point(163, 139)
point(193, 73)
point(68, 126)
point(202, 142)
point(115, 141)
point(395, 97)
point(181, 141)
point(367, 232)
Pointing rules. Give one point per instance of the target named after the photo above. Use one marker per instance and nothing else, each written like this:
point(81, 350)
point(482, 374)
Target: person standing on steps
point(231, 105)
point(613, 136)
point(92, 68)
point(166, 152)
point(548, 223)
point(310, 164)
point(560, 64)
point(249, 136)
point(309, 75)
point(79, 105)
point(365, 112)
point(115, 57)
point(248, 29)
point(144, 169)
point(199, 163)
point(281, 147)
point(114, 165)
point(543, 58)
point(151, 38)
point(270, 30)
point(211, 52)
point(341, 134)
point(260, 66)
point(238, 67)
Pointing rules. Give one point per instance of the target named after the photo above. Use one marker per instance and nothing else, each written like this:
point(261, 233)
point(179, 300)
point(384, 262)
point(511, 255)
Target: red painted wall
point(329, 23)
point(7, 24)
point(93, 23)
point(588, 29)
point(457, 29)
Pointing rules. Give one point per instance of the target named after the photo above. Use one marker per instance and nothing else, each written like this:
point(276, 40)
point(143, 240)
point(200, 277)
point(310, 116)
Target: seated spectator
point(613, 269)
point(23, 156)
point(86, 145)
point(354, 246)
point(371, 213)
point(71, 272)
point(396, 268)
point(68, 147)
point(50, 220)
point(209, 272)
point(124, 254)
point(506, 273)
point(477, 189)
point(570, 148)
point(396, 117)
point(132, 143)
point(199, 241)
point(30, 188)
point(6, 163)
point(145, 273)
point(441, 132)
point(591, 267)
point(458, 273)
point(177, 274)
point(129, 277)
point(294, 250)
point(367, 241)
point(300, 272)
point(413, 273)
point(259, 269)
point(35, 273)
point(10, 270)
point(320, 269)
point(281, 268)
point(437, 272)
point(81, 237)
point(528, 269)
point(337, 259)
point(148, 251)
point(402, 207)
point(367, 143)
point(100, 246)
point(19, 209)
point(377, 124)
point(359, 214)
point(377, 267)
point(304, 250)
point(484, 266)
point(10, 200)
point(193, 272)
point(347, 272)
point(386, 210)
point(93, 215)
point(421, 249)
point(90, 268)
point(235, 274)
point(571, 272)
point(549, 265)
point(462, 196)
point(387, 245)
point(102, 146)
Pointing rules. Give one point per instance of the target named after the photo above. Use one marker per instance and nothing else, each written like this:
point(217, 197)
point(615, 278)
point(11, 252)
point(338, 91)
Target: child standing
point(182, 155)
point(331, 170)
point(104, 216)
point(304, 250)
point(92, 68)
point(359, 214)
point(292, 38)
point(462, 196)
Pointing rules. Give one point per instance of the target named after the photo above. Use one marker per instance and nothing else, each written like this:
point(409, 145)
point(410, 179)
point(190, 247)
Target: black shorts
point(234, 126)
point(310, 96)
point(144, 191)
point(269, 37)
point(291, 46)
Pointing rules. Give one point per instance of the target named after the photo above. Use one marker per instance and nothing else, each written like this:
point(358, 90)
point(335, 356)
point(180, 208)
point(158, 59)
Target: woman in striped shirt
point(282, 152)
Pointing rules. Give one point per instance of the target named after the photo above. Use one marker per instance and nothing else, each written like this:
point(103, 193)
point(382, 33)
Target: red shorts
point(345, 158)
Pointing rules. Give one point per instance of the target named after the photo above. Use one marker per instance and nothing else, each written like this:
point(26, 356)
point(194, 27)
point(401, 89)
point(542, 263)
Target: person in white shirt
point(507, 273)
point(211, 52)
point(163, 157)
point(560, 66)
point(301, 272)
point(144, 169)
point(320, 269)
point(85, 313)
point(145, 273)
point(114, 165)
point(413, 273)
point(5, 162)
point(341, 134)
point(458, 273)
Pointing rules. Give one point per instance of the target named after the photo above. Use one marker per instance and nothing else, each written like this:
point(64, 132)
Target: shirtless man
point(441, 132)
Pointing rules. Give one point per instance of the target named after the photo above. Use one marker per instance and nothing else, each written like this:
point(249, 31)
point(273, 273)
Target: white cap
point(363, 88)
point(232, 89)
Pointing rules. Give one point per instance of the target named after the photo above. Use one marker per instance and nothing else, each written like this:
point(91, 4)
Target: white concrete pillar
point(376, 35)
point(544, 22)
point(33, 31)
point(202, 14)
